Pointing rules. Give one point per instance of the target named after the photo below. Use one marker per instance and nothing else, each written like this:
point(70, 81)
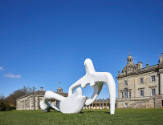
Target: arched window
point(126, 92)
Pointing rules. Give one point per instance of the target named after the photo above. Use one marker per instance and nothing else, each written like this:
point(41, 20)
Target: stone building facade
point(140, 87)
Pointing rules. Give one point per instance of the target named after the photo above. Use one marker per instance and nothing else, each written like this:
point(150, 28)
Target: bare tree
point(11, 99)
point(2, 97)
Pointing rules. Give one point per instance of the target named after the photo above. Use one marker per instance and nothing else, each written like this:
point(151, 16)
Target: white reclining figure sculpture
point(96, 80)
point(75, 101)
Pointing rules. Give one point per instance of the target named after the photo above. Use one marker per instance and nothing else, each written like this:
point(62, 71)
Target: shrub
point(2, 106)
point(5, 107)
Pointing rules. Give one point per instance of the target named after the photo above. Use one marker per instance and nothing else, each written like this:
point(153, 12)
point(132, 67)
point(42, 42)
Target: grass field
point(86, 117)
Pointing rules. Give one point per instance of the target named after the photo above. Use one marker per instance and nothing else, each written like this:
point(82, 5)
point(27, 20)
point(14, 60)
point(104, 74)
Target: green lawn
point(86, 117)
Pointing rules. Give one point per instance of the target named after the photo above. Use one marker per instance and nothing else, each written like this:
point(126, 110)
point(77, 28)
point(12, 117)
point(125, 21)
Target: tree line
point(9, 102)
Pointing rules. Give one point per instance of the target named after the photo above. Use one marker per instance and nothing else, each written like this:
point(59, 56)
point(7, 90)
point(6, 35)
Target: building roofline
point(140, 71)
point(36, 94)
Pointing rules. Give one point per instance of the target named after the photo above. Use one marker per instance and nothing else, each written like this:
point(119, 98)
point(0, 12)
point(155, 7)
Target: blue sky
point(46, 42)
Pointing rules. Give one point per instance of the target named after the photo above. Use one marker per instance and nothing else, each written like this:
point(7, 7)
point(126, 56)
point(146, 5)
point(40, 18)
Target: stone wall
point(30, 102)
point(152, 102)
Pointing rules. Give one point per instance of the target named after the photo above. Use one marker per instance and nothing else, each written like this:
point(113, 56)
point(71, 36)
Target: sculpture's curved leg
point(112, 92)
point(52, 95)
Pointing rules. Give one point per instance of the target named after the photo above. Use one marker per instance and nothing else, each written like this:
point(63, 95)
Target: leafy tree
point(4, 106)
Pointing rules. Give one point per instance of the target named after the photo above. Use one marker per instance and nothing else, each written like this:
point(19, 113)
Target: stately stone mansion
point(140, 87)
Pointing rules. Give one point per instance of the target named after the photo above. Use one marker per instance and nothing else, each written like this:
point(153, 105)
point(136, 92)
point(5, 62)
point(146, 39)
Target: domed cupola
point(59, 90)
point(130, 67)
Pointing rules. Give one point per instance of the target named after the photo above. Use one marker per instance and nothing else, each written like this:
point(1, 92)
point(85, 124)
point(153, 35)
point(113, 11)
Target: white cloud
point(1, 68)
point(12, 76)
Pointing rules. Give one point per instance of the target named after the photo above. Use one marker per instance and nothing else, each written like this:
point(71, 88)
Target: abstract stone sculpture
point(75, 101)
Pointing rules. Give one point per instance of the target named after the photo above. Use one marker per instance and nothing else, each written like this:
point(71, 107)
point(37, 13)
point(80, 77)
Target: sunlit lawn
point(86, 117)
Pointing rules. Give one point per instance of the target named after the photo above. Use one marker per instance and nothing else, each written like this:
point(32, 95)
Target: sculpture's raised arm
point(76, 84)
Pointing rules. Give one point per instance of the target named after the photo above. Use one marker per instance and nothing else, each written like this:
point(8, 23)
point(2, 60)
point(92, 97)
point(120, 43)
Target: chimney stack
point(140, 65)
point(161, 60)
